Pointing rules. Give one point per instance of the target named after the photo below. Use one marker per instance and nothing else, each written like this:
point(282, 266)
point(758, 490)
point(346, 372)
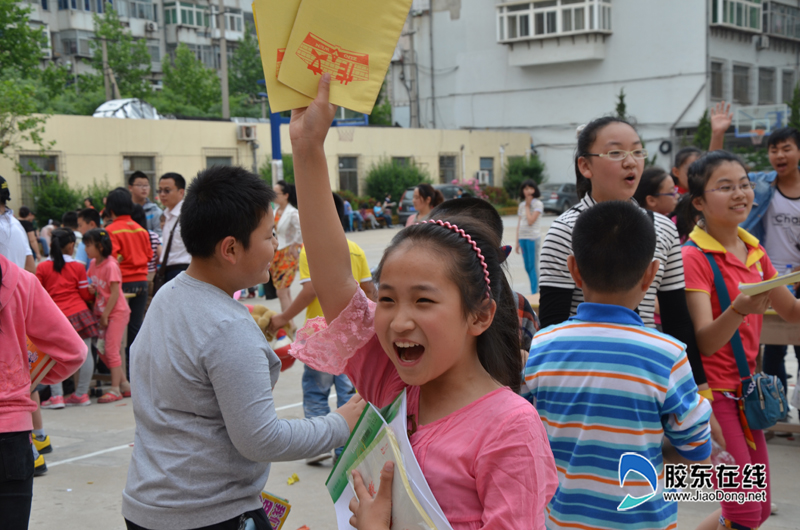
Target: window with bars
point(348, 173)
point(219, 161)
point(145, 164)
point(36, 171)
point(781, 20)
point(402, 161)
point(787, 86)
point(741, 84)
point(717, 79)
point(546, 18)
point(766, 86)
point(447, 169)
point(487, 164)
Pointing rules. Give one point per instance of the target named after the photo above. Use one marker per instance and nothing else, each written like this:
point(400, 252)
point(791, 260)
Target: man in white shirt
point(13, 239)
point(174, 258)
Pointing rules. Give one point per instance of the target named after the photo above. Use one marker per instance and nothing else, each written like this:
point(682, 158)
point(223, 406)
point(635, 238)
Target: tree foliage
point(54, 198)
point(128, 58)
point(702, 137)
point(621, 109)
point(519, 169)
point(190, 89)
point(288, 170)
point(387, 176)
point(20, 43)
point(382, 111)
point(245, 69)
point(18, 122)
point(794, 107)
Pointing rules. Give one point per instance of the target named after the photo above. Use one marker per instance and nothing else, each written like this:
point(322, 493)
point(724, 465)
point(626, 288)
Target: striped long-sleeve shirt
point(605, 385)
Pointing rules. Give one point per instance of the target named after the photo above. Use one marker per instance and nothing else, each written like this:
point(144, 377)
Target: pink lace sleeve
point(327, 347)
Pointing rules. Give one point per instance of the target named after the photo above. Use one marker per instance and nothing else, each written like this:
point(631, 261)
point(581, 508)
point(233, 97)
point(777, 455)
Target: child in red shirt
point(110, 308)
point(66, 282)
point(722, 196)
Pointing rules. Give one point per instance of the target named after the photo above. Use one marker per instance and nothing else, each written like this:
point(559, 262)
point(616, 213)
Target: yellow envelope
point(274, 19)
point(353, 40)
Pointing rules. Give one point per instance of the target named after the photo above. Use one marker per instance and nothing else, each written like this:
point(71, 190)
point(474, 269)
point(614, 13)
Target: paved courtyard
point(92, 448)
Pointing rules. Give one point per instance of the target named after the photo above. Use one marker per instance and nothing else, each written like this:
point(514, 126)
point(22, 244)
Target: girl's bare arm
point(786, 305)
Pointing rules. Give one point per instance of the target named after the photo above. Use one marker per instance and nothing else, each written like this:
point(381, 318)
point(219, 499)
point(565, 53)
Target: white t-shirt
point(527, 231)
point(14, 243)
point(177, 252)
point(557, 247)
point(782, 231)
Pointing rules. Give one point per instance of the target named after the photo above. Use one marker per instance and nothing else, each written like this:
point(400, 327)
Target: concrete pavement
point(92, 447)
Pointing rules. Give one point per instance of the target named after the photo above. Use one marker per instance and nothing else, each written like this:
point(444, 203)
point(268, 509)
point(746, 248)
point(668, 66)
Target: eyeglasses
point(673, 193)
point(747, 186)
point(143, 186)
point(618, 154)
point(163, 191)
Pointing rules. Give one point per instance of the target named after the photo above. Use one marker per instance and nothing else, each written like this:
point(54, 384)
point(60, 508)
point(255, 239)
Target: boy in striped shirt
point(605, 385)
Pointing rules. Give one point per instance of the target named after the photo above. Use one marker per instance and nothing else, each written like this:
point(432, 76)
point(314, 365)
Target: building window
point(143, 10)
point(546, 18)
point(741, 84)
point(44, 5)
point(766, 86)
point(402, 161)
point(742, 14)
point(145, 164)
point(99, 6)
point(154, 50)
point(781, 20)
point(487, 171)
point(787, 86)
point(219, 161)
point(716, 80)
point(447, 169)
point(348, 173)
point(36, 171)
point(191, 15)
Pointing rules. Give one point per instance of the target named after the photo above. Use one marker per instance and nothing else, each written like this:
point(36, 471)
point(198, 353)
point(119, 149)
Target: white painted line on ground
point(68, 460)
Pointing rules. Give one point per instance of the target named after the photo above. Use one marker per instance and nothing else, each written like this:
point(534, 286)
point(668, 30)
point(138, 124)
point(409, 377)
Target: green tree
point(702, 137)
point(20, 43)
point(519, 169)
point(382, 111)
point(621, 109)
point(18, 122)
point(53, 198)
point(189, 85)
point(128, 58)
point(794, 107)
point(388, 176)
point(245, 69)
point(288, 170)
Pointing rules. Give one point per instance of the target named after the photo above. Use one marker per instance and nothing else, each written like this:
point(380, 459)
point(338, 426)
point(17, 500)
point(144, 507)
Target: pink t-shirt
point(489, 464)
point(101, 276)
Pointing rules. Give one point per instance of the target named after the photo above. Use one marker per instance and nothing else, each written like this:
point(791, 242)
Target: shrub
point(288, 170)
point(97, 192)
point(519, 169)
point(472, 188)
point(496, 195)
point(53, 198)
point(388, 176)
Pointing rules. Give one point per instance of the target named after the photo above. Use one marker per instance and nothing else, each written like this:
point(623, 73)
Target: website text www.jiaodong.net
point(739, 497)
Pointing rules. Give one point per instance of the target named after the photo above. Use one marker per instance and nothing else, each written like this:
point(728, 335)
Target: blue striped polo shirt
point(605, 385)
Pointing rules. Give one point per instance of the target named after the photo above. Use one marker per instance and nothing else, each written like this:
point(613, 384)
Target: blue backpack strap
point(724, 302)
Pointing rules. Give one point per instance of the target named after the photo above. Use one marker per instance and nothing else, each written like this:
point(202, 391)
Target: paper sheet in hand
point(353, 40)
point(40, 363)
point(406, 509)
point(751, 289)
point(274, 20)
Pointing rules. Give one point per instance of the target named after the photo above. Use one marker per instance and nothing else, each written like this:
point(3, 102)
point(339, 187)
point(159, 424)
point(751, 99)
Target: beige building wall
point(100, 150)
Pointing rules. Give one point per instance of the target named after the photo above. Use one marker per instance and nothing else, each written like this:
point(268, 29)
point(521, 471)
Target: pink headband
point(474, 246)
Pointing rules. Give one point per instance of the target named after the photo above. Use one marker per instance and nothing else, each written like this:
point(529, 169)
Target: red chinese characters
point(344, 66)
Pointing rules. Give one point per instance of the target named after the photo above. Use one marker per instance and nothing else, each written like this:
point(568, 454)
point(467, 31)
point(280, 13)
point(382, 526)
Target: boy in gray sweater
point(202, 374)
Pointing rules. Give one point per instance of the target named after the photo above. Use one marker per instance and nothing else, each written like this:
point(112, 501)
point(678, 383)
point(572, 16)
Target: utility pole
point(223, 52)
point(433, 90)
point(106, 82)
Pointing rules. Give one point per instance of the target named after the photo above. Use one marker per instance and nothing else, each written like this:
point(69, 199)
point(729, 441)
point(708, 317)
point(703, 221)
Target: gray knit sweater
point(206, 428)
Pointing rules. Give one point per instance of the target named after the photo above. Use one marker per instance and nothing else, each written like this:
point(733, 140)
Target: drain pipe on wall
point(463, 164)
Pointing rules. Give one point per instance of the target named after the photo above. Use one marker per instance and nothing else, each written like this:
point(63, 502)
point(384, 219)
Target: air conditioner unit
point(482, 176)
point(151, 26)
point(246, 133)
point(762, 42)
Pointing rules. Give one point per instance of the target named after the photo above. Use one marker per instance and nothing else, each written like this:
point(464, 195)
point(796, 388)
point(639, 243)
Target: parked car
point(405, 207)
point(558, 198)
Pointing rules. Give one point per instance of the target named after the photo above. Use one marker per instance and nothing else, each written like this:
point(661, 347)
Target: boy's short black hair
point(180, 182)
point(90, 215)
point(613, 243)
point(784, 134)
point(137, 175)
point(222, 201)
point(70, 220)
point(24, 211)
point(119, 202)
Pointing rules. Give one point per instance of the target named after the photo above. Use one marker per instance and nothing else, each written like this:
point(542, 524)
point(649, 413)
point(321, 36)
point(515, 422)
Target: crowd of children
point(443, 325)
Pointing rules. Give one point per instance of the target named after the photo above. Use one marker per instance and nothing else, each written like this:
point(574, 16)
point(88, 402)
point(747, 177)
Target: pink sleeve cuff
point(327, 347)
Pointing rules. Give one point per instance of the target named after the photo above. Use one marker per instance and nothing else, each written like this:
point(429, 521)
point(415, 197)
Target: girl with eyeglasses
point(657, 191)
point(722, 197)
point(609, 162)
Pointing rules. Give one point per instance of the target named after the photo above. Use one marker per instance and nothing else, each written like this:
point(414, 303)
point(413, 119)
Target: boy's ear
point(650, 274)
point(229, 250)
point(572, 265)
point(483, 318)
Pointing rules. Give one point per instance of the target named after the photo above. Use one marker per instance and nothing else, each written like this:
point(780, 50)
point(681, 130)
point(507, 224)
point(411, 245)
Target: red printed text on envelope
point(344, 66)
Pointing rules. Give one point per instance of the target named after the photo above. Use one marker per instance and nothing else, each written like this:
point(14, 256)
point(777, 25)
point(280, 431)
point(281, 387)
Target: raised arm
point(323, 235)
point(721, 118)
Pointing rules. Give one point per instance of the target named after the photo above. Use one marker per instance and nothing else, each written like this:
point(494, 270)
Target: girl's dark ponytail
point(587, 134)
point(59, 239)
